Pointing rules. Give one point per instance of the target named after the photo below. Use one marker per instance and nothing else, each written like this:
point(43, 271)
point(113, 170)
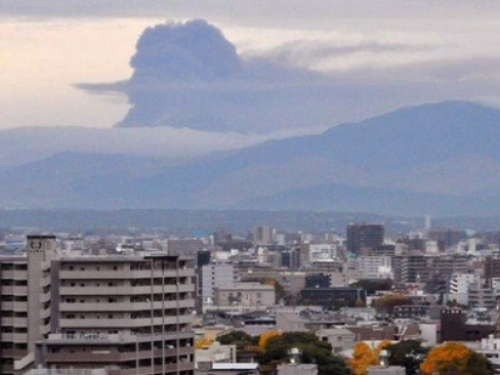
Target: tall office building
point(364, 236)
point(25, 304)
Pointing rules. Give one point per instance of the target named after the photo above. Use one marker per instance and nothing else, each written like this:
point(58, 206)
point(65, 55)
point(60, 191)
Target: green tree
point(478, 364)
point(238, 338)
point(409, 354)
point(313, 351)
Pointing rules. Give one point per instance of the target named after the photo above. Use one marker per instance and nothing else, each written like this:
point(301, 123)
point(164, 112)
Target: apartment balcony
point(124, 306)
point(123, 275)
point(105, 275)
point(14, 353)
point(123, 322)
point(111, 355)
point(14, 306)
point(44, 313)
point(115, 339)
point(15, 275)
point(44, 297)
point(14, 337)
point(14, 322)
point(93, 290)
point(14, 290)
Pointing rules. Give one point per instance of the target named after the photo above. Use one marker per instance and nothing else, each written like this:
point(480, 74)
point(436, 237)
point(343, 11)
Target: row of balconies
point(111, 355)
point(123, 323)
point(14, 337)
point(14, 306)
point(14, 275)
point(14, 353)
point(124, 306)
point(168, 368)
point(124, 275)
point(121, 338)
point(124, 290)
point(14, 321)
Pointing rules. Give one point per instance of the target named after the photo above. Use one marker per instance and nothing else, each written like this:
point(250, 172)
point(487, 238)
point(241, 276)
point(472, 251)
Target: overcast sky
point(47, 46)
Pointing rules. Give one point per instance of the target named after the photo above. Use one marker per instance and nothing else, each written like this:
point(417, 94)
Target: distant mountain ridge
point(439, 158)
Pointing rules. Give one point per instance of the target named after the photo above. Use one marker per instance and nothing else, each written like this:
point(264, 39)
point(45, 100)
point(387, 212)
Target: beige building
point(339, 338)
point(124, 314)
point(132, 313)
point(25, 304)
point(214, 353)
point(245, 297)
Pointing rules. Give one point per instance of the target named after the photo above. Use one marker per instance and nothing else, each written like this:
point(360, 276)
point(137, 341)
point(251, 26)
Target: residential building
point(491, 269)
point(214, 353)
point(455, 327)
point(25, 300)
point(459, 286)
point(422, 268)
point(480, 296)
point(132, 313)
point(375, 267)
point(339, 338)
point(214, 275)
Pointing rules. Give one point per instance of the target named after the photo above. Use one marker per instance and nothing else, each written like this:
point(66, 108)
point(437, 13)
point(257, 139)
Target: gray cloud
point(247, 12)
point(309, 53)
point(184, 52)
point(189, 76)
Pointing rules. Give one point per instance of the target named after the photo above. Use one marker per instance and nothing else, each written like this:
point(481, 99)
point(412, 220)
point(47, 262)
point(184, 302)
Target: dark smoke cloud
point(188, 75)
point(185, 52)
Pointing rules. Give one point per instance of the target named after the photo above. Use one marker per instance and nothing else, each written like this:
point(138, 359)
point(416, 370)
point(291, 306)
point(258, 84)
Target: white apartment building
point(459, 286)
point(325, 252)
point(375, 267)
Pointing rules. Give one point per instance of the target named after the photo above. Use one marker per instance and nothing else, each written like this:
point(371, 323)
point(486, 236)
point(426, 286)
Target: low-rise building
point(339, 338)
point(244, 297)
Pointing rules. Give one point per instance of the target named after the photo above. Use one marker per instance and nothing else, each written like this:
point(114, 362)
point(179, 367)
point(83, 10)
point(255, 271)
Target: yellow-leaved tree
point(363, 357)
point(264, 338)
point(457, 359)
point(203, 343)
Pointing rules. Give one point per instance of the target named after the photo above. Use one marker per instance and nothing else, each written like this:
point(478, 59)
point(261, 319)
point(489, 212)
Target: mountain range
point(442, 159)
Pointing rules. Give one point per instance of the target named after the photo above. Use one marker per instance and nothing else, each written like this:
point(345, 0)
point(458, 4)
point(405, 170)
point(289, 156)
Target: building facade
point(364, 236)
point(25, 304)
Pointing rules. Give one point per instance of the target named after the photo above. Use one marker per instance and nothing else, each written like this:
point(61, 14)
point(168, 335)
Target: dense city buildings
point(125, 305)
